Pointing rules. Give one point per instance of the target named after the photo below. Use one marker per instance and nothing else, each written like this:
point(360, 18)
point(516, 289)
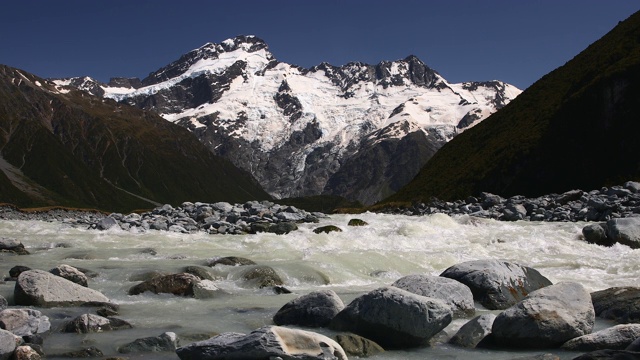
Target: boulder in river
point(24, 322)
point(356, 345)
point(621, 304)
point(14, 246)
point(394, 318)
point(41, 288)
point(474, 331)
point(231, 261)
point(546, 318)
point(70, 273)
point(625, 231)
point(90, 323)
point(177, 284)
point(315, 309)
point(8, 344)
point(261, 276)
point(268, 342)
point(497, 284)
point(167, 341)
point(26, 352)
point(454, 293)
point(618, 337)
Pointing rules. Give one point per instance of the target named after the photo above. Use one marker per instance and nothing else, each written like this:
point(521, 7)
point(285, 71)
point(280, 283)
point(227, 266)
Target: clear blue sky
point(516, 41)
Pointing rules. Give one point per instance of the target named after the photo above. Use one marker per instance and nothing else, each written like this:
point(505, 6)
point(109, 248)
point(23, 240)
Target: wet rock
point(89, 352)
point(283, 228)
point(497, 284)
point(167, 341)
point(25, 352)
point(474, 331)
point(70, 273)
point(327, 229)
point(200, 272)
point(106, 312)
point(261, 276)
point(40, 288)
point(624, 231)
point(231, 261)
point(177, 284)
point(8, 344)
point(358, 346)
point(609, 355)
point(618, 337)
point(147, 275)
point(357, 222)
point(3, 303)
point(393, 317)
point(15, 271)
point(206, 289)
point(89, 323)
point(315, 309)
point(596, 234)
point(106, 223)
point(546, 318)
point(24, 322)
point(269, 342)
point(12, 246)
point(455, 294)
point(621, 304)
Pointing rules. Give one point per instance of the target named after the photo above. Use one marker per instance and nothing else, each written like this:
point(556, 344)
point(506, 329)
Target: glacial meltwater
point(351, 262)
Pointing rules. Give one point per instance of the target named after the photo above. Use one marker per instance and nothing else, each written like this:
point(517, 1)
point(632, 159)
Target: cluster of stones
point(217, 218)
point(575, 205)
point(79, 217)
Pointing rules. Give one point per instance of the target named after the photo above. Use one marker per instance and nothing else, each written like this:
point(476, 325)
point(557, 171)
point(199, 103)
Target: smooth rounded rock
point(315, 309)
point(618, 337)
point(261, 276)
point(177, 284)
point(26, 352)
point(454, 293)
point(596, 234)
point(621, 304)
point(70, 273)
point(41, 288)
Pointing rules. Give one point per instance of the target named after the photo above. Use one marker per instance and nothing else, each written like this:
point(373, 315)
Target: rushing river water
point(354, 261)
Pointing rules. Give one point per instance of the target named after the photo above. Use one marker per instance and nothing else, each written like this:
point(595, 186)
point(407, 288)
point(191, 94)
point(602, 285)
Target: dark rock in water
point(148, 275)
point(621, 304)
point(279, 289)
point(357, 222)
point(358, 346)
point(70, 273)
point(609, 355)
point(15, 271)
point(12, 246)
point(624, 231)
point(167, 341)
point(474, 331)
point(596, 234)
point(200, 272)
point(24, 322)
point(327, 229)
point(41, 288)
point(261, 276)
point(177, 284)
point(497, 284)
point(269, 342)
point(107, 312)
point(546, 318)
point(315, 309)
point(455, 294)
point(106, 223)
point(618, 337)
point(393, 317)
point(282, 228)
point(634, 346)
point(90, 352)
point(89, 323)
point(231, 261)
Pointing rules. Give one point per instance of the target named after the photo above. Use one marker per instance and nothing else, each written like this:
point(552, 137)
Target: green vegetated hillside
point(65, 147)
point(577, 127)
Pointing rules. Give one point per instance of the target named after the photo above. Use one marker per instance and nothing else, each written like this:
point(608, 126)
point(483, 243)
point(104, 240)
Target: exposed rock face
point(497, 284)
point(618, 337)
point(315, 309)
point(40, 288)
point(393, 317)
point(454, 293)
point(24, 322)
point(265, 343)
point(177, 284)
point(474, 331)
point(546, 318)
point(621, 304)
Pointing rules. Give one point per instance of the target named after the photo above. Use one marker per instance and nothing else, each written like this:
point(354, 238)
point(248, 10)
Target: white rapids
point(354, 261)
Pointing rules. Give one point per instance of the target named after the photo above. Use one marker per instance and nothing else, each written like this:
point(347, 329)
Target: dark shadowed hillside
point(577, 127)
point(61, 146)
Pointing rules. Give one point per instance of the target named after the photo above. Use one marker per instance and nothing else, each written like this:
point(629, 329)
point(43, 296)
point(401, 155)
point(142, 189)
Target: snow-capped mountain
point(299, 131)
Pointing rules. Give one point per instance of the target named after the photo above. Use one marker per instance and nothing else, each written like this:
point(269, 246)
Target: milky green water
point(354, 261)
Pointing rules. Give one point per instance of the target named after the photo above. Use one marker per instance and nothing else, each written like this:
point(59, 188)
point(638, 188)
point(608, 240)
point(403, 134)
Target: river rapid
point(351, 262)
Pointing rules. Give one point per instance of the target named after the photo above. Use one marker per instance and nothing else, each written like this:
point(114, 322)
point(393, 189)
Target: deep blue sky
point(516, 41)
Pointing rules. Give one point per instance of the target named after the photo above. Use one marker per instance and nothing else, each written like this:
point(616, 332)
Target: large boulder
point(90, 323)
point(231, 261)
point(315, 309)
point(474, 331)
point(41, 288)
point(70, 273)
point(596, 234)
point(618, 337)
point(167, 341)
point(454, 293)
point(546, 318)
point(265, 343)
point(497, 284)
point(24, 322)
point(8, 344)
point(12, 246)
point(177, 284)
point(625, 231)
point(621, 304)
point(394, 318)
point(261, 276)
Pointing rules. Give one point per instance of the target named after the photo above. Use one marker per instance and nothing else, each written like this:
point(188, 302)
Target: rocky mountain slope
point(576, 127)
point(359, 131)
point(61, 146)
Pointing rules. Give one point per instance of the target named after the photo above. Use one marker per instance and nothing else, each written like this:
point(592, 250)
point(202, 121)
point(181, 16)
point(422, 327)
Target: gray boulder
point(514, 212)
point(546, 318)
point(41, 288)
point(596, 234)
point(394, 317)
point(625, 231)
point(497, 284)
point(265, 343)
point(260, 276)
point(618, 337)
point(3, 303)
point(315, 309)
point(70, 273)
point(8, 344)
point(621, 304)
point(24, 322)
point(205, 289)
point(356, 345)
point(471, 333)
point(167, 341)
point(12, 246)
point(454, 293)
point(106, 223)
point(90, 323)
point(177, 284)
